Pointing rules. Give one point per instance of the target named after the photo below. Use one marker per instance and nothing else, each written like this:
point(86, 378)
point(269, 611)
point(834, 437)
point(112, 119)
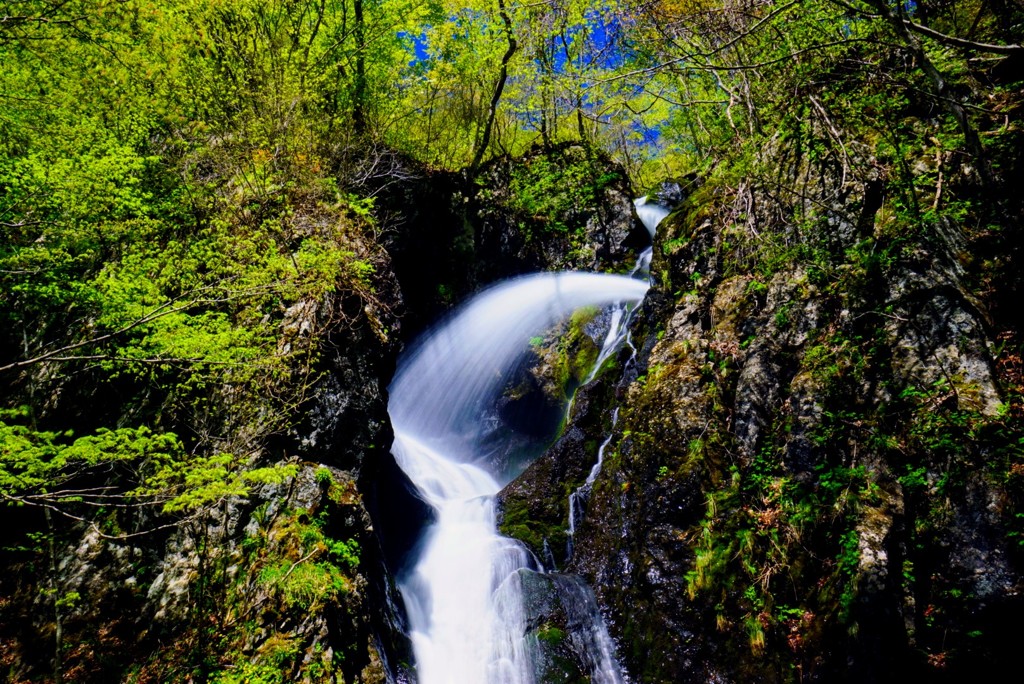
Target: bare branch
point(963, 43)
point(971, 45)
point(166, 309)
point(499, 86)
point(725, 67)
point(91, 524)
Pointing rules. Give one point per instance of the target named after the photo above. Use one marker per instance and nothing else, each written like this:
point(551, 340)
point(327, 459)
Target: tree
point(499, 87)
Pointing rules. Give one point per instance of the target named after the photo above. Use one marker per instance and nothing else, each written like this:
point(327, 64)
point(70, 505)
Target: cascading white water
point(462, 596)
point(650, 213)
point(579, 496)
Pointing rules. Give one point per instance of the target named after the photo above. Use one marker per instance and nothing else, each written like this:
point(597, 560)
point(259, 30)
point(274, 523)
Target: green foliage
point(41, 468)
point(757, 527)
point(271, 665)
point(198, 481)
point(38, 467)
point(545, 187)
point(171, 222)
point(311, 571)
point(250, 673)
point(304, 584)
point(182, 188)
point(551, 191)
point(323, 476)
point(847, 561)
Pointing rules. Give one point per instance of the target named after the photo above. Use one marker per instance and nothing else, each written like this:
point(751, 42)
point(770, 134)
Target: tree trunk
point(359, 94)
point(941, 87)
point(499, 86)
point(58, 631)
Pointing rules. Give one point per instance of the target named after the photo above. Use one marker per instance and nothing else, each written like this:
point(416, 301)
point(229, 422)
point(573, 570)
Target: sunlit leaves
point(191, 482)
point(41, 468)
point(116, 468)
point(168, 211)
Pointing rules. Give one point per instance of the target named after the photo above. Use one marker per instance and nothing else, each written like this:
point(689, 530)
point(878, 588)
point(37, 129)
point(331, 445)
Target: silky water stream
point(463, 589)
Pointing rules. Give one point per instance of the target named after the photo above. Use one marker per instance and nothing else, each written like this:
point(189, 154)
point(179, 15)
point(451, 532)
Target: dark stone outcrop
point(564, 634)
point(811, 478)
point(533, 507)
point(208, 585)
point(561, 208)
point(566, 207)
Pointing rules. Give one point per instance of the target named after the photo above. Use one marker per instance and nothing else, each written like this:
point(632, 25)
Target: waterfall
point(650, 213)
point(463, 593)
point(578, 498)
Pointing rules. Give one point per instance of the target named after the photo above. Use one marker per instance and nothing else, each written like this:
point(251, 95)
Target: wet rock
point(534, 507)
point(565, 633)
point(672, 193)
point(830, 408)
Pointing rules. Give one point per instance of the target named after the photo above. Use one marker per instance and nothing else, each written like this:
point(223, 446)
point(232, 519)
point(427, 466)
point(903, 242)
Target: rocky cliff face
point(815, 474)
point(285, 583)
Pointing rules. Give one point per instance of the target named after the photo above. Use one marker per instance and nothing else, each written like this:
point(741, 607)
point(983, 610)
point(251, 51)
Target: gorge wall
point(815, 471)
point(222, 222)
point(814, 474)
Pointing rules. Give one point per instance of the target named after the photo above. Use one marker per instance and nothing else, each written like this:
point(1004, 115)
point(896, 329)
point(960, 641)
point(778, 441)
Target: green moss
point(550, 634)
point(552, 190)
point(566, 355)
point(518, 524)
